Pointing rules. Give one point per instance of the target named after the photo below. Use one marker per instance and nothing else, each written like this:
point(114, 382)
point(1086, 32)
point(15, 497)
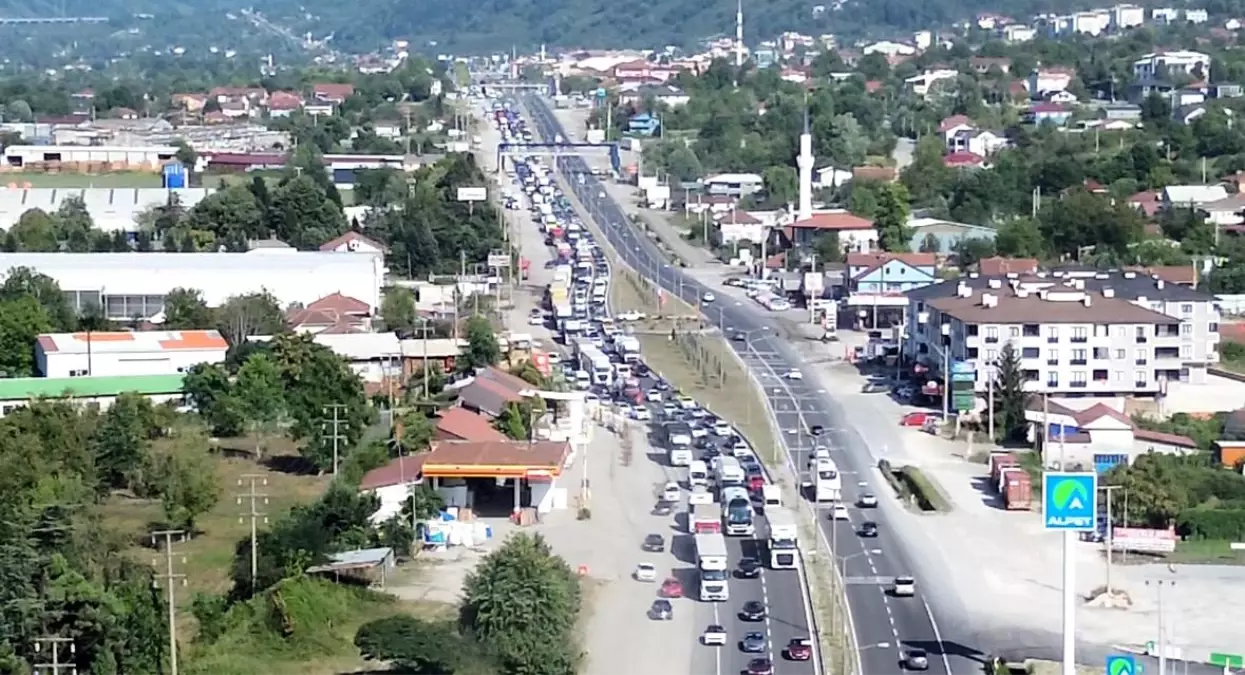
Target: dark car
point(760, 667)
point(752, 643)
point(654, 543)
point(816, 430)
point(799, 649)
point(753, 610)
point(663, 508)
point(875, 388)
point(868, 529)
point(749, 568)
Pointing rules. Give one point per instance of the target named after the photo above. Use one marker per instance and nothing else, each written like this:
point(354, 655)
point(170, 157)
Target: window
point(1078, 357)
point(1212, 327)
point(970, 330)
point(1029, 353)
point(1052, 379)
point(1186, 351)
point(992, 355)
point(992, 333)
point(1186, 309)
point(78, 373)
point(1121, 331)
point(1117, 376)
point(970, 352)
point(1140, 356)
point(1052, 333)
point(1140, 334)
point(1101, 353)
point(1186, 329)
point(1013, 331)
point(1121, 353)
point(1052, 357)
point(1079, 334)
point(1078, 378)
point(1140, 378)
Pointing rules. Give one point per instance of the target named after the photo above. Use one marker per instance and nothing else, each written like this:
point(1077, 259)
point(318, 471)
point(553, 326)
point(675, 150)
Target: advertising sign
point(472, 194)
point(498, 260)
point(1143, 540)
point(963, 386)
point(1122, 664)
point(1070, 501)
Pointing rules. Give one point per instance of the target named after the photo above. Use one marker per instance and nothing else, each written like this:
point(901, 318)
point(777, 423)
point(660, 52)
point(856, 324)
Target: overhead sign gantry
point(557, 150)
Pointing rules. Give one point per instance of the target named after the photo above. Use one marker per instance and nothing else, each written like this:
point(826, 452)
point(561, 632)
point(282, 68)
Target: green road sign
point(1227, 660)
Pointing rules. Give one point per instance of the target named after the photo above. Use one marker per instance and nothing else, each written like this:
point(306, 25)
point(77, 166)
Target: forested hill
point(482, 26)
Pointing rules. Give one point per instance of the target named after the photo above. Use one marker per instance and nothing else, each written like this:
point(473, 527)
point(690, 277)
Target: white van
point(582, 379)
point(698, 473)
point(771, 496)
point(699, 495)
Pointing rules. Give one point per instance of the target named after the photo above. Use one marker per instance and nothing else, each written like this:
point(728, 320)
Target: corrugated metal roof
point(25, 388)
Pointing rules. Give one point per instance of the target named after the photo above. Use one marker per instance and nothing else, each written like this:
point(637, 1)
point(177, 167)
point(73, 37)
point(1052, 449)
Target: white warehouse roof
point(112, 209)
point(141, 279)
point(131, 342)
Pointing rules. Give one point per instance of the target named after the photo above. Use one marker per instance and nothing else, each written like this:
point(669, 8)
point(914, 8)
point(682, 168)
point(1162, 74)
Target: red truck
point(706, 519)
point(1017, 489)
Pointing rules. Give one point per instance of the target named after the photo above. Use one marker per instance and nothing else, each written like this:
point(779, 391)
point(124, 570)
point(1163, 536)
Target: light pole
point(1159, 584)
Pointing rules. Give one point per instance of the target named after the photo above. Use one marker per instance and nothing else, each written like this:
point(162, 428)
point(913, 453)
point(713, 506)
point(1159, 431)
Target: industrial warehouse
point(111, 209)
point(133, 285)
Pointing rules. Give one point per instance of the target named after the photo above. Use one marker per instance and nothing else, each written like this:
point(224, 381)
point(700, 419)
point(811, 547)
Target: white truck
point(771, 497)
point(712, 562)
point(783, 535)
point(629, 347)
point(729, 471)
point(828, 483)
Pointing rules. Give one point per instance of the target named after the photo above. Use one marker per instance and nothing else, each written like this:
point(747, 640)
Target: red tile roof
point(329, 91)
point(468, 426)
point(998, 266)
point(959, 159)
point(952, 122)
point(834, 221)
point(345, 239)
point(397, 472)
point(341, 305)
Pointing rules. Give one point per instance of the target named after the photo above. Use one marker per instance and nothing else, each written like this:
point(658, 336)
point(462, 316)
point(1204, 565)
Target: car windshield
point(905, 580)
point(917, 653)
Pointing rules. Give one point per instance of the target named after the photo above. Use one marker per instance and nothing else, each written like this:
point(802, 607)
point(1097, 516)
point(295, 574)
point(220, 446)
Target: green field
point(127, 179)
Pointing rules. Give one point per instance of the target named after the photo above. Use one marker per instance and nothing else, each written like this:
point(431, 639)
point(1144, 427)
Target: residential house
point(643, 124)
point(491, 390)
point(1048, 80)
point(888, 49)
point(663, 94)
point(1016, 33)
point(391, 129)
point(981, 143)
point(740, 226)
point(1053, 113)
point(880, 280)
point(963, 160)
point(332, 314)
point(353, 242)
point(946, 233)
point(1093, 436)
point(831, 177)
point(461, 424)
point(699, 203)
point(1192, 196)
point(1149, 202)
point(1162, 65)
point(191, 103)
point(1226, 211)
point(332, 92)
point(284, 103)
point(1142, 89)
point(953, 125)
point(1124, 17)
point(854, 233)
point(1127, 112)
point(923, 83)
point(733, 184)
point(251, 97)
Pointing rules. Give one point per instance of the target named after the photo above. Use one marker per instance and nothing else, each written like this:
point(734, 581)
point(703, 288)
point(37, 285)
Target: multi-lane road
point(883, 626)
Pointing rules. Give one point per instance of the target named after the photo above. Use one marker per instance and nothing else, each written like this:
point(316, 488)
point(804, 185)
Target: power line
point(335, 435)
point(171, 579)
point(55, 667)
point(253, 501)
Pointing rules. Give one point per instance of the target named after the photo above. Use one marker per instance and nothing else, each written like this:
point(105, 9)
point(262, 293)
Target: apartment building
point(1083, 333)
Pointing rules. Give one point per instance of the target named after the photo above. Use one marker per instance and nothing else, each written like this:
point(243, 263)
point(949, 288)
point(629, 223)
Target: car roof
point(905, 579)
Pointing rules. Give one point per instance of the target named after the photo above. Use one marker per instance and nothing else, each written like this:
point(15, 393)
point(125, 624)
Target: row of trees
point(517, 617)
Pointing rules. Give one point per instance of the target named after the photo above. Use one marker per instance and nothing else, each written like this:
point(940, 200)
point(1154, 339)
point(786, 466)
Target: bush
point(927, 496)
point(897, 485)
point(1208, 523)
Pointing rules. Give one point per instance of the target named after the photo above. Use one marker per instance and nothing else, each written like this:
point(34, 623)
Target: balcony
point(991, 340)
point(1052, 384)
point(1052, 362)
point(1082, 339)
point(1052, 340)
point(1079, 385)
point(1141, 384)
point(1141, 362)
point(1141, 339)
point(1079, 362)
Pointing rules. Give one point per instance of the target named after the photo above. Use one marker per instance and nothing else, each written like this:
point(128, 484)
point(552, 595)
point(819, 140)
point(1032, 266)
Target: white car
point(630, 315)
point(645, 572)
point(708, 297)
point(536, 318)
point(641, 413)
point(904, 587)
point(670, 492)
point(721, 429)
point(714, 636)
point(794, 374)
point(652, 396)
point(839, 512)
point(700, 432)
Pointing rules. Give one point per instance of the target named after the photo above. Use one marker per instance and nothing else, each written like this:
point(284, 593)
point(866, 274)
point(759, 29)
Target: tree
point(320, 386)
point(121, 446)
point(187, 483)
point(416, 646)
point(1009, 398)
point(782, 185)
point(260, 391)
point(185, 308)
point(1020, 238)
point(891, 219)
point(524, 601)
point(417, 431)
point(303, 216)
point(23, 281)
point(514, 421)
point(482, 347)
point(252, 314)
point(209, 389)
point(529, 373)
point(35, 231)
point(397, 309)
point(22, 320)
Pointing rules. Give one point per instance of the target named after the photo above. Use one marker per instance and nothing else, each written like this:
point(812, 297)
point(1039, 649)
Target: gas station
point(499, 475)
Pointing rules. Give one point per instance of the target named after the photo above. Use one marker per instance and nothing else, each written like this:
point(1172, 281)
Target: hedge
point(1216, 524)
point(927, 496)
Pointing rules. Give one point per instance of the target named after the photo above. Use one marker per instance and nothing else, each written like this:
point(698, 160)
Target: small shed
point(366, 564)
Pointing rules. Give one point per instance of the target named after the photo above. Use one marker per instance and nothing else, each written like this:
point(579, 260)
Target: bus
point(827, 481)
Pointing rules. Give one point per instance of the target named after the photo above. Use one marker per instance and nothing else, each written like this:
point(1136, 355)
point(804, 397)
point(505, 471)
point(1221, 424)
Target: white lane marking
point(769, 627)
point(942, 647)
point(717, 651)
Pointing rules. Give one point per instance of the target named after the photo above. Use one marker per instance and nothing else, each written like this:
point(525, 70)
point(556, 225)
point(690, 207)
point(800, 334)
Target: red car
point(799, 649)
point(919, 418)
point(760, 667)
point(671, 588)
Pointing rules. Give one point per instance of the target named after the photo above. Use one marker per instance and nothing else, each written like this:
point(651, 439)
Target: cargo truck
point(706, 519)
point(712, 562)
point(783, 535)
point(1017, 489)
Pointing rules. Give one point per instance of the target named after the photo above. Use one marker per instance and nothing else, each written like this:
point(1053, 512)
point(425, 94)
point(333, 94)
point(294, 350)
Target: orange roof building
point(127, 353)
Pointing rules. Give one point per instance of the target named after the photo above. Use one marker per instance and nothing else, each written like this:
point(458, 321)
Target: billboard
point(1143, 540)
point(963, 386)
point(472, 194)
point(498, 260)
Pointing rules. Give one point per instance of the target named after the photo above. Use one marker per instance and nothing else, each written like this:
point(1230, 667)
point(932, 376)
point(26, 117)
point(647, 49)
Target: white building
point(129, 285)
point(1165, 64)
point(126, 353)
point(888, 48)
point(111, 209)
point(1124, 17)
point(920, 84)
point(1018, 33)
point(1081, 23)
point(16, 392)
point(1196, 15)
point(111, 157)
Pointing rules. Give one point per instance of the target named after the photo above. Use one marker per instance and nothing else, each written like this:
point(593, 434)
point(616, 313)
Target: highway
point(883, 626)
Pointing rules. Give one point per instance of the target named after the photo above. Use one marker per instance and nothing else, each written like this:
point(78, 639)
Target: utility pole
point(171, 580)
point(252, 481)
point(1159, 584)
point(55, 667)
point(990, 411)
point(1110, 534)
point(334, 424)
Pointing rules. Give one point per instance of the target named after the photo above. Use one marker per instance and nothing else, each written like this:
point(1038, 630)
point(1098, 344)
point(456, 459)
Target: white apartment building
point(1076, 334)
point(1018, 33)
point(1124, 17)
point(1165, 64)
point(126, 353)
